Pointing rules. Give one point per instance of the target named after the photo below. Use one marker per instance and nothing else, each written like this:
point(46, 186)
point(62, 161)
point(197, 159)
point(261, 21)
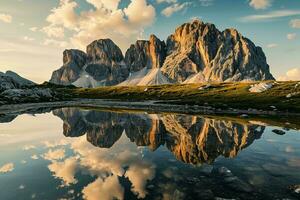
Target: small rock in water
point(244, 116)
point(146, 89)
point(295, 189)
point(274, 107)
point(222, 171)
point(279, 132)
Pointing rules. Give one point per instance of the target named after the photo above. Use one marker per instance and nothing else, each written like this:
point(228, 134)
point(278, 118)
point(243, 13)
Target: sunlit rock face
point(73, 62)
point(199, 52)
point(191, 139)
point(145, 53)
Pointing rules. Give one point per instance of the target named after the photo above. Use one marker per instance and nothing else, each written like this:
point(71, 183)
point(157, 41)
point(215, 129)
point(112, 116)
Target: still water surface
point(74, 153)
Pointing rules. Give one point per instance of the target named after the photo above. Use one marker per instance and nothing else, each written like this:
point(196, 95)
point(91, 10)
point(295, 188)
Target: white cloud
point(272, 45)
point(295, 23)
point(139, 174)
point(54, 31)
point(291, 36)
point(166, 1)
point(270, 15)
point(5, 18)
point(28, 147)
point(65, 170)
point(33, 29)
point(106, 20)
point(260, 4)
point(7, 168)
point(106, 189)
point(26, 38)
point(169, 11)
point(291, 75)
point(54, 155)
point(34, 157)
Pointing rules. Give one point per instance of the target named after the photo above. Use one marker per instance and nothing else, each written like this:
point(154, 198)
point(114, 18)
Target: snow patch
point(260, 87)
point(146, 77)
point(87, 81)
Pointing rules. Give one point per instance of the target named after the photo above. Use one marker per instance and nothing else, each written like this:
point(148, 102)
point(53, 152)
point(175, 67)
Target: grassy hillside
point(219, 95)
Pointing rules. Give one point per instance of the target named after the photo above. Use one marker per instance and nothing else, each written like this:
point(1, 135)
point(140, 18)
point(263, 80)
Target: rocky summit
point(197, 52)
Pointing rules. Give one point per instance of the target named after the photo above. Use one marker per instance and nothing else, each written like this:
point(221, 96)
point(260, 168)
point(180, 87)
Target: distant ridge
point(197, 52)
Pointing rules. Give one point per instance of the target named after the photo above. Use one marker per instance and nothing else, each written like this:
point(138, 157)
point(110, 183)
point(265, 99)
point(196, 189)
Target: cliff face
point(191, 139)
point(199, 52)
point(73, 62)
point(196, 52)
point(149, 54)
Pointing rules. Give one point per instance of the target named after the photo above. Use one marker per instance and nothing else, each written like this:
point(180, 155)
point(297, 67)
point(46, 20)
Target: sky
point(34, 33)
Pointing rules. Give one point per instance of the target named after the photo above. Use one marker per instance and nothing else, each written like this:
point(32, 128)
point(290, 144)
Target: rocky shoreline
point(149, 106)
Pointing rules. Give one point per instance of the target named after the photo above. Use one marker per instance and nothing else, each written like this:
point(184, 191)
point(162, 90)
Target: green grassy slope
point(220, 95)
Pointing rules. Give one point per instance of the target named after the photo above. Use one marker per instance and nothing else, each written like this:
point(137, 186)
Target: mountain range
point(196, 52)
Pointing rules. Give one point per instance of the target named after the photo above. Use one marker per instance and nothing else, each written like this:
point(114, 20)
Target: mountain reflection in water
point(191, 139)
point(122, 155)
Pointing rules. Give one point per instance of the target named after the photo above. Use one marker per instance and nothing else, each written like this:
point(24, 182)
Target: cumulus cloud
point(139, 174)
point(291, 36)
point(260, 4)
point(170, 10)
point(295, 23)
point(5, 18)
point(7, 168)
point(291, 75)
point(270, 15)
point(54, 155)
point(106, 20)
point(65, 170)
point(106, 189)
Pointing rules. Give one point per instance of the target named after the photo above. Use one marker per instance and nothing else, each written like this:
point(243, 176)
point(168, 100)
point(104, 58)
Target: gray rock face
point(196, 52)
point(199, 52)
point(105, 62)
point(73, 62)
point(11, 80)
point(143, 53)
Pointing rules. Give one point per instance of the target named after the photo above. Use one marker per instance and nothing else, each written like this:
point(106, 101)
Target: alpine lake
point(78, 153)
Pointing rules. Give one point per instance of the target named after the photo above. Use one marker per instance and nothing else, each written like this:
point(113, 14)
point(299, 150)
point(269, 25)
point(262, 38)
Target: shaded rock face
point(73, 62)
point(106, 62)
point(201, 49)
point(191, 139)
point(197, 52)
point(149, 54)
point(11, 80)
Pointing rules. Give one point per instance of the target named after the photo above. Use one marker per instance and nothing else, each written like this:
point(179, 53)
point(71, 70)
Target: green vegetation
point(218, 95)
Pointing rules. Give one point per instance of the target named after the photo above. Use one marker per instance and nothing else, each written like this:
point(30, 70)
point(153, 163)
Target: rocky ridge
point(196, 52)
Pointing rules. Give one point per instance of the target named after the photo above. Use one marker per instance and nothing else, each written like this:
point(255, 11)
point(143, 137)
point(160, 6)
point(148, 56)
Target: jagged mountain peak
point(195, 52)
